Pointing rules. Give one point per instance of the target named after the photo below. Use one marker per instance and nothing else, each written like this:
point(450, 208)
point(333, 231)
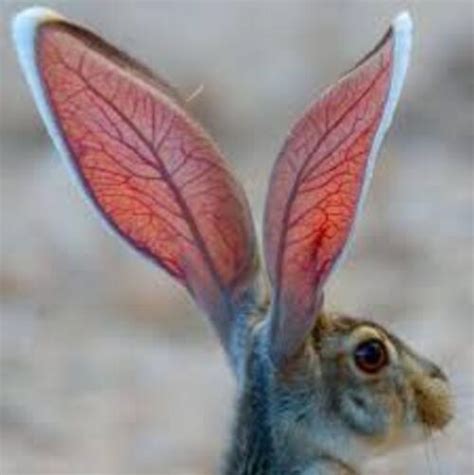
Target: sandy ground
point(106, 367)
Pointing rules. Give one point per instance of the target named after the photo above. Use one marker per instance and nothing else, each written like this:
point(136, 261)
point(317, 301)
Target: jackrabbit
point(319, 393)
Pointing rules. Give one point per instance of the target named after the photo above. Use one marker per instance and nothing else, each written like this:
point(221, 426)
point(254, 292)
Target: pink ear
point(153, 174)
point(320, 180)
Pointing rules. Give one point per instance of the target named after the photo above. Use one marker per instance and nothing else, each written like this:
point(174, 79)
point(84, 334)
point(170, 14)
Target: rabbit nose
point(437, 373)
point(428, 368)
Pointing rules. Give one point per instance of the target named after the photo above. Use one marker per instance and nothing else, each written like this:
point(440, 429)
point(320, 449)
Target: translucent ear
point(152, 173)
point(320, 180)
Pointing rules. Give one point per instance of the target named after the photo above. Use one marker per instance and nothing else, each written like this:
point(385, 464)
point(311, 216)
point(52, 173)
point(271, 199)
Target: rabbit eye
point(371, 356)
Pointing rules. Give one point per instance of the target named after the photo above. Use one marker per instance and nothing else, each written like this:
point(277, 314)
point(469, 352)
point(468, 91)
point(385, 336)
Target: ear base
point(150, 171)
point(320, 180)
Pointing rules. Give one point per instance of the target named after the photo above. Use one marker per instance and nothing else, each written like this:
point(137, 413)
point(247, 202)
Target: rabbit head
point(353, 391)
point(318, 392)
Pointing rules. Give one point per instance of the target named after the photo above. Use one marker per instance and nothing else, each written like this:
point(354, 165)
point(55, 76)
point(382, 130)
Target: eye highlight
point(371, 356)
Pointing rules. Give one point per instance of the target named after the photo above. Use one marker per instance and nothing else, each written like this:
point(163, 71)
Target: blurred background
point(106, 366)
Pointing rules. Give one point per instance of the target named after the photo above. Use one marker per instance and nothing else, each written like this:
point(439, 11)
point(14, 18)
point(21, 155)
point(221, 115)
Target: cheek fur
point(363, 412)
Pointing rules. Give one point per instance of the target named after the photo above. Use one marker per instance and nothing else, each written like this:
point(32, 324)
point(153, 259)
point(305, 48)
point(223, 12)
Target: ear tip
point(25, 24)
point(403, 22)
point(32, 18)
point(402, 27)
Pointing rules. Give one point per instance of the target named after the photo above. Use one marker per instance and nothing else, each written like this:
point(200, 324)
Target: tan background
point(106, 366)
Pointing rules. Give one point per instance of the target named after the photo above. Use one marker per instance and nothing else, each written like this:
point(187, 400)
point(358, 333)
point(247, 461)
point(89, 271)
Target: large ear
point(153, 174)
point(320, 180)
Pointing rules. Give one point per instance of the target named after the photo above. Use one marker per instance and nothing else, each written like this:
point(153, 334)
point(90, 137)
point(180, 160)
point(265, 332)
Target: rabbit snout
point(431, 392)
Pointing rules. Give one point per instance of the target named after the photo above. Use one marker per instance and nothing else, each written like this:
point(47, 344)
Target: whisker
point(435, 453)
point(426, 450)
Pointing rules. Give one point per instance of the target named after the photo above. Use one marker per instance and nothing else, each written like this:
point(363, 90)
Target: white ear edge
point(402, 27)
point(25, 27)
point(402, 35)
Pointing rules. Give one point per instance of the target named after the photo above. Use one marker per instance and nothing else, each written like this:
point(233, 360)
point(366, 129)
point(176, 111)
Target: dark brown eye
point(371, 356)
